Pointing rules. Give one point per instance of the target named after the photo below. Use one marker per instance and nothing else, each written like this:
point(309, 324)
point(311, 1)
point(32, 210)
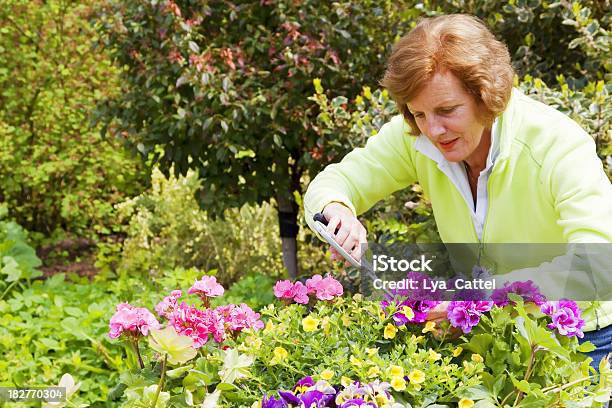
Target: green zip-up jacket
point(547, 184)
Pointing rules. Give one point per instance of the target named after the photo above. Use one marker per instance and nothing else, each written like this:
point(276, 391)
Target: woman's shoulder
point(542, 128)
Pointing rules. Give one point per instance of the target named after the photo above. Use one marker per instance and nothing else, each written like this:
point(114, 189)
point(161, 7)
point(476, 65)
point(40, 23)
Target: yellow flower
point(385, 93)
point(279, 354)
point(346, 321)
point(374, 372)
point(355, 361)
point(366, 92)
point(457, 351)
point(310, 324)
point(357, 297)
point(466, 403)
point(417, 340)
point(477, 358)
point(408, 312)
point(381, 400)
point(381, 314)
point(371, 351)
point(390, 331)
point(398, 383)
point(468, 367)
point(429, 326)
point(327, 374)
point(416, 376)
point(256, 404)
point(358, 100)
point(325, 324)
point(396, 371)
point(269, 326)
point(433, 356)
point(345, 381)
point(254, 342)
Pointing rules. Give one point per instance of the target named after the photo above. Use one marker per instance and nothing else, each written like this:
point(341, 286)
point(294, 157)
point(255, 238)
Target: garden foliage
point(223, 88)
point(158, 241)
point(58, 173)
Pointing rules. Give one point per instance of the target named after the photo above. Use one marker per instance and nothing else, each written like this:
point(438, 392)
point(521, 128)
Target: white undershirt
point(458, 176)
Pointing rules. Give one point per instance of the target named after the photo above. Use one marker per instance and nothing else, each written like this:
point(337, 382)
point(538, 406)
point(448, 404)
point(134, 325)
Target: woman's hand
point(351, 234)
point(438, 314)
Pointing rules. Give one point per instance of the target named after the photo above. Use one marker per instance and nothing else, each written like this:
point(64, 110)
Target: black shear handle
point(321, 218)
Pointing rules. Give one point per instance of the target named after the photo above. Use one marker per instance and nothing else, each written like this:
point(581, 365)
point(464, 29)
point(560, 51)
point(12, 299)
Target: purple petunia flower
point(307, 393)
point(527, 290)
point(466, 314)
point(272, 402)
point(357, 402)
point(420, 309)
point(566, 317)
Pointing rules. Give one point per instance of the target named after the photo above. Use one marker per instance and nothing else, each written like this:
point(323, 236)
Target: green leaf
point(177, 372)
point(586, 347)
point(226, 387)
point(477, 392)
point(479, 343)
point(11, 269)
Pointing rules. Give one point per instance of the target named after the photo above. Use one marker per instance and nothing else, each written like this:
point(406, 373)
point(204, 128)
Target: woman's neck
point(477, 161)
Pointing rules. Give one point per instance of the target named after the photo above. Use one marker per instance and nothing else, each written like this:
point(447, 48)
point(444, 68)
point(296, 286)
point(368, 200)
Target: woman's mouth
point(449, 144)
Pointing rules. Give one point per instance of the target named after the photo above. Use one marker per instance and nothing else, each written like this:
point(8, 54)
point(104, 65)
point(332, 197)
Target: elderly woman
point(497, 166)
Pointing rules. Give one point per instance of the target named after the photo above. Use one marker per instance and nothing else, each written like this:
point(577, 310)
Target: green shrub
point(546, 38)
point(167, 229)
point(58, 174)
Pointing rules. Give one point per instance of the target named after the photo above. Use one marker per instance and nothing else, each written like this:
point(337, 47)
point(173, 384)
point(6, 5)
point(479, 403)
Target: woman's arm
point(580, 189)
point(365, 175)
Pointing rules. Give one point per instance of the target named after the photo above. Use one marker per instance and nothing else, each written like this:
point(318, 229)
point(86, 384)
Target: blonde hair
point(461, 44)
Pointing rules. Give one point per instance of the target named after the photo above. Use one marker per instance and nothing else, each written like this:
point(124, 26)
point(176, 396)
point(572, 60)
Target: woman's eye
point(418, 115)
point(447, 110)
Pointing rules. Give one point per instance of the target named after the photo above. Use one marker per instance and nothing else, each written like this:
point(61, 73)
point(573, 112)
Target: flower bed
point(318, 348)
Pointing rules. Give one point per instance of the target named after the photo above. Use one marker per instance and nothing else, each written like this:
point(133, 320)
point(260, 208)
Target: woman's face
point(447, 114)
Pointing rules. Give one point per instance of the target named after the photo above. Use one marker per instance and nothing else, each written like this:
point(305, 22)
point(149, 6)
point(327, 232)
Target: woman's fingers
point(332, 225)
point(361, 244)
point(350, 233)
point(439, 313)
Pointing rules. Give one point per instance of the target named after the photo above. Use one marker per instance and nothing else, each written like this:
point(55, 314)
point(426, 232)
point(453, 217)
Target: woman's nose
point(436, 128)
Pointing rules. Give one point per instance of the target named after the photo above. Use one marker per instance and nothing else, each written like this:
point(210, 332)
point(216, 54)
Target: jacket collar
point(425, 147)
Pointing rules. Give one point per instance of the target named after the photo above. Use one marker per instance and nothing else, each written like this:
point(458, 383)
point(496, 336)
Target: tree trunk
point(287, 219)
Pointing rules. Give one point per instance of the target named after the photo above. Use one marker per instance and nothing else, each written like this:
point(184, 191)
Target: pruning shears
point(320, 222)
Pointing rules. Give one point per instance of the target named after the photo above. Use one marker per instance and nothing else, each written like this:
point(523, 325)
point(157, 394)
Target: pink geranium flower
point(239, 317)
point(301, 293)
point(312, 283)
point(198, 324)
point(135, 321)
point(167, 306)
point(324, 288)
point(206, 288)
point(283, 289)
